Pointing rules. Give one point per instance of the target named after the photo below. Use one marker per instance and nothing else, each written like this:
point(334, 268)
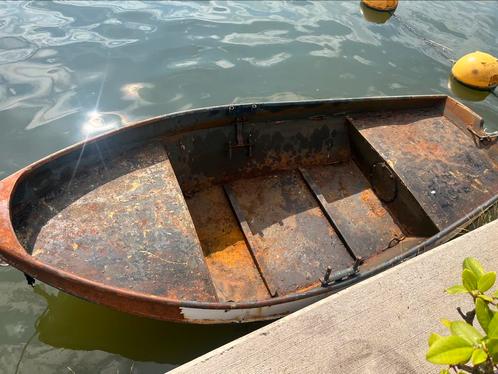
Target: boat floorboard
point(234, 273)
point(363, 220)
point(292, 239)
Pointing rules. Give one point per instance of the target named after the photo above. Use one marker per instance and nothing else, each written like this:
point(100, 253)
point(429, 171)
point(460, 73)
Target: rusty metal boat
point(248, 212)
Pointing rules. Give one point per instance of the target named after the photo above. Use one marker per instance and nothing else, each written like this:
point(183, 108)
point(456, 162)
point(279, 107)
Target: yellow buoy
point(477, 69)
point(382, 5)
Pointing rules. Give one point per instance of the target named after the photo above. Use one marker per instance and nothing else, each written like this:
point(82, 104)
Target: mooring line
point(438, 47)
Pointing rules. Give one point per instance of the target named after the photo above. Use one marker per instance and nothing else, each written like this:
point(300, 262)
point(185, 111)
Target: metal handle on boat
point(484, 137)
point(339, 276)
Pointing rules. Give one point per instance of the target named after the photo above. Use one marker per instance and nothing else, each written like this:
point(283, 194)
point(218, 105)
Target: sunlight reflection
point(96, 124)
point(131, 91)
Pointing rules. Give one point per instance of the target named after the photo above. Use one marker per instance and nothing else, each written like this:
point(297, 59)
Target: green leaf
point(471, 264)
point(485, 298)
point(449, 350)
point(456, 290)
point(433, 338)
point(479, 356)
point(483, 314)
point(486, 281)
point(469, 280)
point(492, 346)
point(466, 331)
point(493, 327)
point(446, 323)
point(444, 371)
point(495, 294)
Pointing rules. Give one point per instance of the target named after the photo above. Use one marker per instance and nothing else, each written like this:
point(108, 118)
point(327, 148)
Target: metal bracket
point(329, 278)
point(239, 133)
point(485, 138)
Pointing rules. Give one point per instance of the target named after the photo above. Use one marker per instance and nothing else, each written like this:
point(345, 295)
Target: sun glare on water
point(96, 124)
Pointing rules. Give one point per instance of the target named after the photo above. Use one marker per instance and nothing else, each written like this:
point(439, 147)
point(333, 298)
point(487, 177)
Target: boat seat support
point(239, 121)
point(249, 237)
point(315, 190)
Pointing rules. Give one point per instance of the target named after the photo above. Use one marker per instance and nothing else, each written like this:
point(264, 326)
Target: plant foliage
point(468, 349)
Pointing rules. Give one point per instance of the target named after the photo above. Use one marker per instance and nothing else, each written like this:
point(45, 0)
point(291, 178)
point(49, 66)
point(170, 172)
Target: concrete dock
point(380, 325)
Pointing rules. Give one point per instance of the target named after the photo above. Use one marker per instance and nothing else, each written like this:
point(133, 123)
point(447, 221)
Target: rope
point(438, 47)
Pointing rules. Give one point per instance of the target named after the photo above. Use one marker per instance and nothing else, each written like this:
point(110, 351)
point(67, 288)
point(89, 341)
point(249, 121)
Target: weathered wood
point(378, 326)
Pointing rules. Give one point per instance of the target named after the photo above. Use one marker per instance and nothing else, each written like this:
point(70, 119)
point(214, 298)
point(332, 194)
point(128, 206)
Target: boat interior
point(249, 203)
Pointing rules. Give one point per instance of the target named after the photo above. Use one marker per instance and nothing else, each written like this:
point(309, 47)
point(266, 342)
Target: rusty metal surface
point(437, 161)
point(164, 307)
point(294, 241)
point(277, 145)
point(412, 219)
point(252, 243)
point(361, 217)
point(384, 182)
point(130, 230)
point(324, 206)
point(229, 261)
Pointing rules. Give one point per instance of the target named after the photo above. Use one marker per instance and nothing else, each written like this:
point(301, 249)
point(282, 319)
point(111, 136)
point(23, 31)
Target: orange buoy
point(374, 16)
point(381, 5)
point(478, 70)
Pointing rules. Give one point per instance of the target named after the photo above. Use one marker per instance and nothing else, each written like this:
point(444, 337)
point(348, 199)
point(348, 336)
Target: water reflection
point(98, 123)
point(374, 16)
point(131, 91)
point(75, 324)
point(464, 92)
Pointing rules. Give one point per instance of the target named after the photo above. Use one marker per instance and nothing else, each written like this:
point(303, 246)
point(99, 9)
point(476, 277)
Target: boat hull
point(80, 256)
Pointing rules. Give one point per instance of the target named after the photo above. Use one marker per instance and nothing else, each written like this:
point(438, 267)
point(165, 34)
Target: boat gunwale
point(14, 253)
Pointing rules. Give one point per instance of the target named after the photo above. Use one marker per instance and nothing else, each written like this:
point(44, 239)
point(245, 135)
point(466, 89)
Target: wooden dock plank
point(380, 325)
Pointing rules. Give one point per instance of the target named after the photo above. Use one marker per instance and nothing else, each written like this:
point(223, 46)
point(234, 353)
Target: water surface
point(69, 70)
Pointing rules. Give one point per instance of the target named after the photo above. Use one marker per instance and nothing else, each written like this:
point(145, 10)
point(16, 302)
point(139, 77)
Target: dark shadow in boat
point(72, 323)
point(269, 201)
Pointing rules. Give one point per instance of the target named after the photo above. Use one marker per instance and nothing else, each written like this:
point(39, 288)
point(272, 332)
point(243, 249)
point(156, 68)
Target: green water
point(60, 63)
